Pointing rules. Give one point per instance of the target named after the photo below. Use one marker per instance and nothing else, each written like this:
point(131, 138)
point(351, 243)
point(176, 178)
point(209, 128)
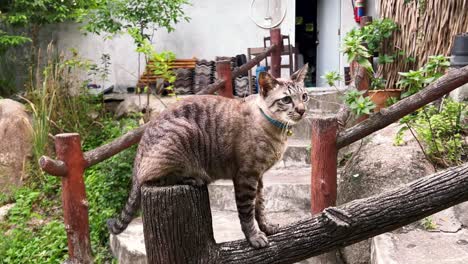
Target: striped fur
point(205, 138)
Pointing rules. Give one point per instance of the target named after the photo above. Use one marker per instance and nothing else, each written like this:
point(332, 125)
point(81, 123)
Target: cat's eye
point(305, 97)
point(286, 100)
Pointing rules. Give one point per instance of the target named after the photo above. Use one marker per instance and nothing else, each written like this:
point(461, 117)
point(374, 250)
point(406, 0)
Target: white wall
point(217, 28)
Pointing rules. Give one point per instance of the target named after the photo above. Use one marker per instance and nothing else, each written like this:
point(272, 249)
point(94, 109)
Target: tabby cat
point(205, 138)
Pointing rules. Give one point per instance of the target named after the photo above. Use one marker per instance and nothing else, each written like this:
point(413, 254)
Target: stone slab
point(285, 189)
point(420, 247)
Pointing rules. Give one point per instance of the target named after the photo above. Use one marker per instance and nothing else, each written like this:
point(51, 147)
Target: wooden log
point(74, 203)
point(355, 221)
point(447, 83)
point(178, 229)
point(277, 40)
point(324, 163)
point(223, 68)
point(177, 224)
point(53, 167)
point(110, 149)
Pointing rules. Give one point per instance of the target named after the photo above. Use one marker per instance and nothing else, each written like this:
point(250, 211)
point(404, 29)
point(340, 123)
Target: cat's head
point(284, 100)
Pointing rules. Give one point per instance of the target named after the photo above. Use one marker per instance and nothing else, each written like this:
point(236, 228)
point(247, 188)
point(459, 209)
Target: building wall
point(216, 28)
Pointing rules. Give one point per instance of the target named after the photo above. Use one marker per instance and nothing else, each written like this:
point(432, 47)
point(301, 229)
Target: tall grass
point(59, 102)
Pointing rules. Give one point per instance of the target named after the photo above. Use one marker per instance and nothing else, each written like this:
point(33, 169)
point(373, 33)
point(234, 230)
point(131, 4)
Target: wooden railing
point(293, 243)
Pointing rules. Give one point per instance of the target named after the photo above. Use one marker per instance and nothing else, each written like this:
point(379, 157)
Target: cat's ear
point(300, 74)
point(267, 83)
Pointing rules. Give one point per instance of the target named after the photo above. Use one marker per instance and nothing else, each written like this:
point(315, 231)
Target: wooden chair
point(288, 50)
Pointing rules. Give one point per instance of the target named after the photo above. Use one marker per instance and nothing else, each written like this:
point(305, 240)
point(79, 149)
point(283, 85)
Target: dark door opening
point(306, 37)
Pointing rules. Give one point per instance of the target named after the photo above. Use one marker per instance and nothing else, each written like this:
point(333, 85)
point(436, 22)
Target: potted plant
point(380, 95)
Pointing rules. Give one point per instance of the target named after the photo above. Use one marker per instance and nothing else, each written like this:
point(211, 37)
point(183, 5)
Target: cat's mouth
point(295, 117)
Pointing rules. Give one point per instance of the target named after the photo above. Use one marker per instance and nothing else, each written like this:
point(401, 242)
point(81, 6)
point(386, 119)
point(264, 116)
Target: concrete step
point(446, 243)
point(129, 247)
point(285, 189)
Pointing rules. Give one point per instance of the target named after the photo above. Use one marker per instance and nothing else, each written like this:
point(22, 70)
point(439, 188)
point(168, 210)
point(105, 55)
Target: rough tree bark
point(179, 224)
point(223, 68)
point(106, 151)
point(449, 82)
point(74, 203)
point(181, 227)
point(324, 161)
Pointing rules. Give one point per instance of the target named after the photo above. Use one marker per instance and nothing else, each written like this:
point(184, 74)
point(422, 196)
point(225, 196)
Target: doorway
point(306, 37)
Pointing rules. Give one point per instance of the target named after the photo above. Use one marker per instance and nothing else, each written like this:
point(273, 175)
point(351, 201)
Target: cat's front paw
point(269, 229)
point(258, 240)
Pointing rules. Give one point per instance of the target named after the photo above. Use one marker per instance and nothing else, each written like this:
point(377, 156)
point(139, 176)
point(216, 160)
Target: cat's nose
point(300, 110)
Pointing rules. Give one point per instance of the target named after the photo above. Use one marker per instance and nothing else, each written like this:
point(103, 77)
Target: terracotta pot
point(380, 97)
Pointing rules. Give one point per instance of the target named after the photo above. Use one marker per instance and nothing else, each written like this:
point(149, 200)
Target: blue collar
point(275, 122)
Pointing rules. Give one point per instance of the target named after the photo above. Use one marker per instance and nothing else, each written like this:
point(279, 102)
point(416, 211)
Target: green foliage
point(116, 16)
point(414, 81)
point(390, 101)
point(34, 231)
point(41, 12)
point(386, 59)
point(375, 33)
point(355, 51)
point(61, 104)
point(331, 77)
point(107, 184)
point(100, 72)
point(357, 103)
point(9, 41)
point(428, 223)
point(440, 131)
point(378, 84)
point(160, 61)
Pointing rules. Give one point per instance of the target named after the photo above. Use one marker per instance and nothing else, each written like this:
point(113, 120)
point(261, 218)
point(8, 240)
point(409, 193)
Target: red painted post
point(75, 205)
point(276, 39)
point(223, 68)
point(323, 161)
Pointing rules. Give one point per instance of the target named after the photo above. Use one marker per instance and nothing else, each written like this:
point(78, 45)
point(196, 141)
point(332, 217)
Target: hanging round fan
point(268, 13)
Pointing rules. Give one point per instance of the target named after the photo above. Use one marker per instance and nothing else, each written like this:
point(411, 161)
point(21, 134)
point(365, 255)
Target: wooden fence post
point(277, 40)
point(323, 161)
point(75, 205)
point(223, 68)
point(179, 227)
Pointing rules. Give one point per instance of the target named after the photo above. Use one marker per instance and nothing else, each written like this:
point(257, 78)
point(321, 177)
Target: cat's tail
point(118, 225)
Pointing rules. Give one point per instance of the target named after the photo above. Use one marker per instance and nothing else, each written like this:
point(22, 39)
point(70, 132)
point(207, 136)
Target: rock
point(15, 143)
point(461, 213)
point(4, 211)
point(376, 167)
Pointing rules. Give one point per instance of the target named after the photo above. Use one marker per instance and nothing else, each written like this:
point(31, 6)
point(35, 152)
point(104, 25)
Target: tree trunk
point(179, 227)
